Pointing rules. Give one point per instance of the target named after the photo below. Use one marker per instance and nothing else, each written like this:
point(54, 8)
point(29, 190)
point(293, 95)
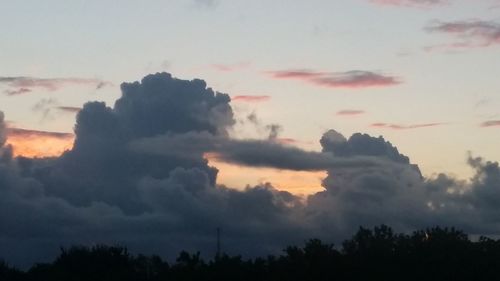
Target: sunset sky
point(423, 74)
point(440, 76)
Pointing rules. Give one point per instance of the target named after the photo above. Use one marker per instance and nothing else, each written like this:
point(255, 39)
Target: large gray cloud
point(250, 152)
point(104, 191)
point(137, 175)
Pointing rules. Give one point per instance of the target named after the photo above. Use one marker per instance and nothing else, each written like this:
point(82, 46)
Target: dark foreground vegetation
point(378, 254)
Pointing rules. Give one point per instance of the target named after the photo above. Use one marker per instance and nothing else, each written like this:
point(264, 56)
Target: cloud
point(25, 133)
point(491, 123)
point(16, 92)
point(206, 3)
point(230, 67)
point(350, 112)
point(290, 141)
point(137, 174)
point(405, 127)
point(3, 129)
point(410, 3)
point(254, 153)
point(468, 34)
point(23, 85)
point(44, 106)
point(69, 109)
point(251, 99)
point(350, 79)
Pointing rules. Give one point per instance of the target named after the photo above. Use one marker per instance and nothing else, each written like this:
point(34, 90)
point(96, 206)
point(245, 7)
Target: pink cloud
point(468, 34)
point(18, 132)
point(491, 123)
point(287, 141)
point(349, 79)
point(410, 3)
point(23, 85)
point(247, 98)
point(350, 112)
point(16, 92)
point(404, 127)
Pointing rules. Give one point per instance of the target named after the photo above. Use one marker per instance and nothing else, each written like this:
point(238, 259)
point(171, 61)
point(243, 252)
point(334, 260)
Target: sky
point(288, 114)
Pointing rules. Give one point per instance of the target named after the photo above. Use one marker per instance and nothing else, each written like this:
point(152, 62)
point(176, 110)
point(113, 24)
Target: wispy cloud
point(287, 141)
point(404, 127)
point(468, 34)
point(230, 67)
point(491, 123)
point(250, 98)
point(23, 85)
point(69, 109)
point(208, 4)
point(350, 112)
point(44, 106)
point(410, 3)
point(16, 92)
point(348, 79)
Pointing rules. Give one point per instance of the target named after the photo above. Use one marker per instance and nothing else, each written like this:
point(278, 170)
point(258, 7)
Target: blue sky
point(233, 45)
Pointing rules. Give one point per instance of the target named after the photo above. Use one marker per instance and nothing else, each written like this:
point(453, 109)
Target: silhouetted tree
point(9, 273)
point(371, 254)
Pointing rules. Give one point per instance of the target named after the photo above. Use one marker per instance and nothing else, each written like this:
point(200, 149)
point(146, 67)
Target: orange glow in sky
point(39, 144)
point(296, 182)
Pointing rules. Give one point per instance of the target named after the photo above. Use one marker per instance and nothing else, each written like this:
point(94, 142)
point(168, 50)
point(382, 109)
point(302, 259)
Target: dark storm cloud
point(348, 79)
point(137, 176)
point(256, 153)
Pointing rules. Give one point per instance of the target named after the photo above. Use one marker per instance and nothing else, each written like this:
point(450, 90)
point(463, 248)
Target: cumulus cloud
point(468, 34)
point(137, 175)
point(23, 85)
point(348, 79)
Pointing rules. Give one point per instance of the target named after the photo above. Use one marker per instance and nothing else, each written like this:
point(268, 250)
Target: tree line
point(370, 254)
